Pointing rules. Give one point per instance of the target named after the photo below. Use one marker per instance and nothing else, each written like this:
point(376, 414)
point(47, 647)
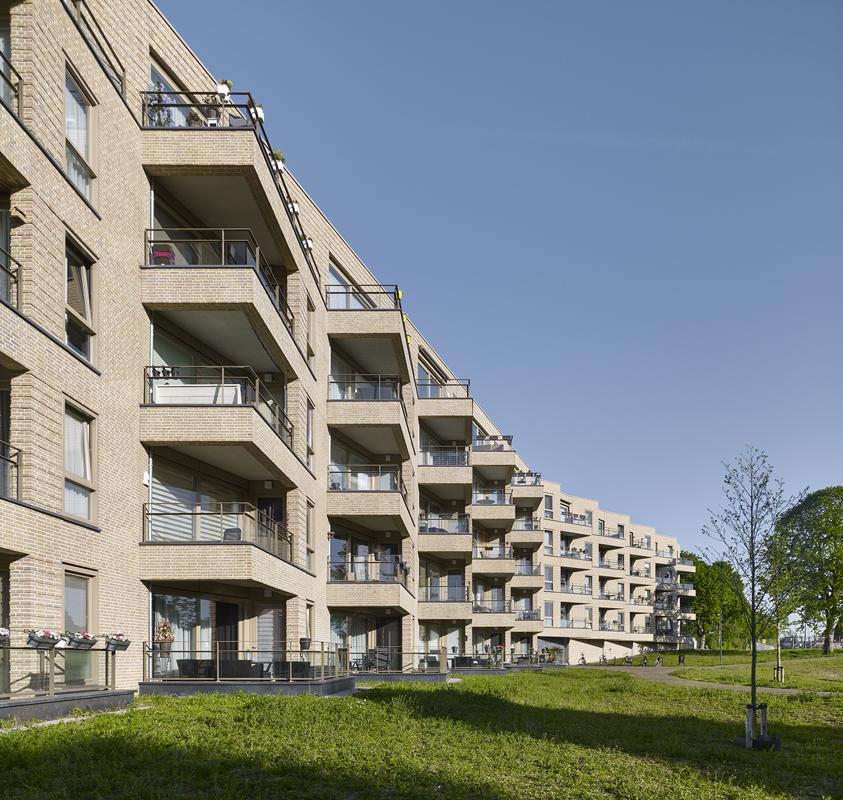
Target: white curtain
point(76, 117)
point(77, 461)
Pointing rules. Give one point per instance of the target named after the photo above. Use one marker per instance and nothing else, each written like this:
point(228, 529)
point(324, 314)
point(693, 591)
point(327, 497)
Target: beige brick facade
point(338, 460)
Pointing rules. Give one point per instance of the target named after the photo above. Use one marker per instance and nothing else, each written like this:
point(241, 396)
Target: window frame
point(86, 160)
point(90, 295)
point(310, 412)
point(90, 483)
point(310, 554)
point(89, 576)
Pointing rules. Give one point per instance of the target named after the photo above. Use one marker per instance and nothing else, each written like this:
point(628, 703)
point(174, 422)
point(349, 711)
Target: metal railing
point(443, 592)
point(686, 587)
point(685, 562)
point(666, 554)
point(612, 626)
point(572, 589)
point(480, 605)
point(216, 248)
point(491, 552)
point(10, 472)
point(641, 573)
point(528, 615)
point(458, 389)
point(364, 387)
point(527, 524)
point(611, 565)
point(366, 478)
point(607, 533)
point(610, 596)
point(10, 269)
point(217, 386)
point(641, 543)
point(26, 672)
point(579, 555)
point(10, 84)
point(490, 497)
point(363, 297)
point(244, 661)
point(642, 601)
point(443, 456)
point(492, 444)
point(444, 523)
point(575, 519)
point(527, 479)
point(218, 523)
point(163, 108)
point(527, 568)
point(368, 569)
point(567, 622)
point(660, 605)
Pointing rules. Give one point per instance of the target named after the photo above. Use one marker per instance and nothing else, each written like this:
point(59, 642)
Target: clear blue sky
point(621, 220)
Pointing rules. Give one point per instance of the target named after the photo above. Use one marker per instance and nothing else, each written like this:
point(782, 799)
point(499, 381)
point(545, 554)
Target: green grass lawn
point(579, 734)
point(823, 672)
point(709, 658)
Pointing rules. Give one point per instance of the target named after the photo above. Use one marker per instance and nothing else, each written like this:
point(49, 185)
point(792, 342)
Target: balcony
point(10, 472)
point(446, 467)
point(528, 620)
point(225, 543)
point(10, 84)
point(369, 583)
point(366, 310)
point(527, 576)
point(494, 457)
point(532, 538)
point(611, 538)
point(10, 268)
point(373, 496)
point(684, 565)
point(440, 600)
point(446, 535)
point(215, 249)
point(686, 589)
point(527, 524)
point(615, 566)
point(578, 591)
point(644, 602)
point(492, 507)
point(492, 613)
point(446, 408)
point(642, 576)
point(492, 560)
point(370, 411)
point(641, 543)
point(217, 386)
point(578, 524)
point(581, 556)
point(610, 598)
point(528, 487)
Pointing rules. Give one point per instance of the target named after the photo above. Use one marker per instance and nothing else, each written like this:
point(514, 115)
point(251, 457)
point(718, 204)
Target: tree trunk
point(827, 634)
point(753, 675)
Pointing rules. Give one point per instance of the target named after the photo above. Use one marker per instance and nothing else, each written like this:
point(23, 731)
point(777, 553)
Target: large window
point(342, 293)
point(78, 311)
point(548, 579)
point(548, 614)
point(308, 535)
point(548, 506)
point(548, 543)
point(77, 116)
point(78, 463)
point(76, 603)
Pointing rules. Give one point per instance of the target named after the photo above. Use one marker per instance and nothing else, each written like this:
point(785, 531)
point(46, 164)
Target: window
point(548, 579)
point(311, 313)
point(308, 535)
point(77, 117)
point(343, 293)
point(564, 511)
point(78, 469)
point(78, 308)
point(310, 410)
point(548, 614)
point(76, 603)
point(548, 543)
point(308, 621)
point(548, 506)
point(601, 526)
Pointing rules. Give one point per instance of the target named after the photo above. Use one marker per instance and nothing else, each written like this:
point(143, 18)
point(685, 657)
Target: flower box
point(42, 640)
point(162, 647)
point(81, 640)
point(4, 636)
point(117, 643)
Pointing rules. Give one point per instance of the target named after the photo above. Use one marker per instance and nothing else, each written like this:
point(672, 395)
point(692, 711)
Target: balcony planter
point(117, 642)
point(224, 88)
point(164, 636)
point(81, 640)
point(307, 243)
point(304, 644)
point(257, 112)
point(279, 159)
point(42, 640)
point(4, 636)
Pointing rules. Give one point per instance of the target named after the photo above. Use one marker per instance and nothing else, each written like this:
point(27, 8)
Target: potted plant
point(307, 242)
point(164, 635)
point(257, 112)
point(42, 639)
point(194, 119)
point(224, 88)
point(115, 642)
point(4, 636)
point(279, 158)
point(81, 640)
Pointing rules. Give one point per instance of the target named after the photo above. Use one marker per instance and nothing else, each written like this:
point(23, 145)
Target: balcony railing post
point(51, 672)
point(322, 662)
point(222, 247)
point(217, 676)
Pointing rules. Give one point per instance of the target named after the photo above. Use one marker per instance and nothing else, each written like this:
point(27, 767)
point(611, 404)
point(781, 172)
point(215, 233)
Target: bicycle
point(627, 661)
point(582, 660)
point(645, 661)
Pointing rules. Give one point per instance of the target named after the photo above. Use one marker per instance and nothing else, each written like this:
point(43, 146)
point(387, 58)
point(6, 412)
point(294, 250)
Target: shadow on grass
point(119, 765)
point(810, 766)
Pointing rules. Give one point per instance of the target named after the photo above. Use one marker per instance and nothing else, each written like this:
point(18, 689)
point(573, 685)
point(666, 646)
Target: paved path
point(665, 675)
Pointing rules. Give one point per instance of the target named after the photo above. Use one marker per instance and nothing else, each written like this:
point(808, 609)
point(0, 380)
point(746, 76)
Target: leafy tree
point(749, 538)
point(816, 526)
point(714, 594)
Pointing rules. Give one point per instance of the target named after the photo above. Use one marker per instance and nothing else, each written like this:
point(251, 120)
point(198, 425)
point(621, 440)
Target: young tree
point(749, 538)
point(816, 527)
